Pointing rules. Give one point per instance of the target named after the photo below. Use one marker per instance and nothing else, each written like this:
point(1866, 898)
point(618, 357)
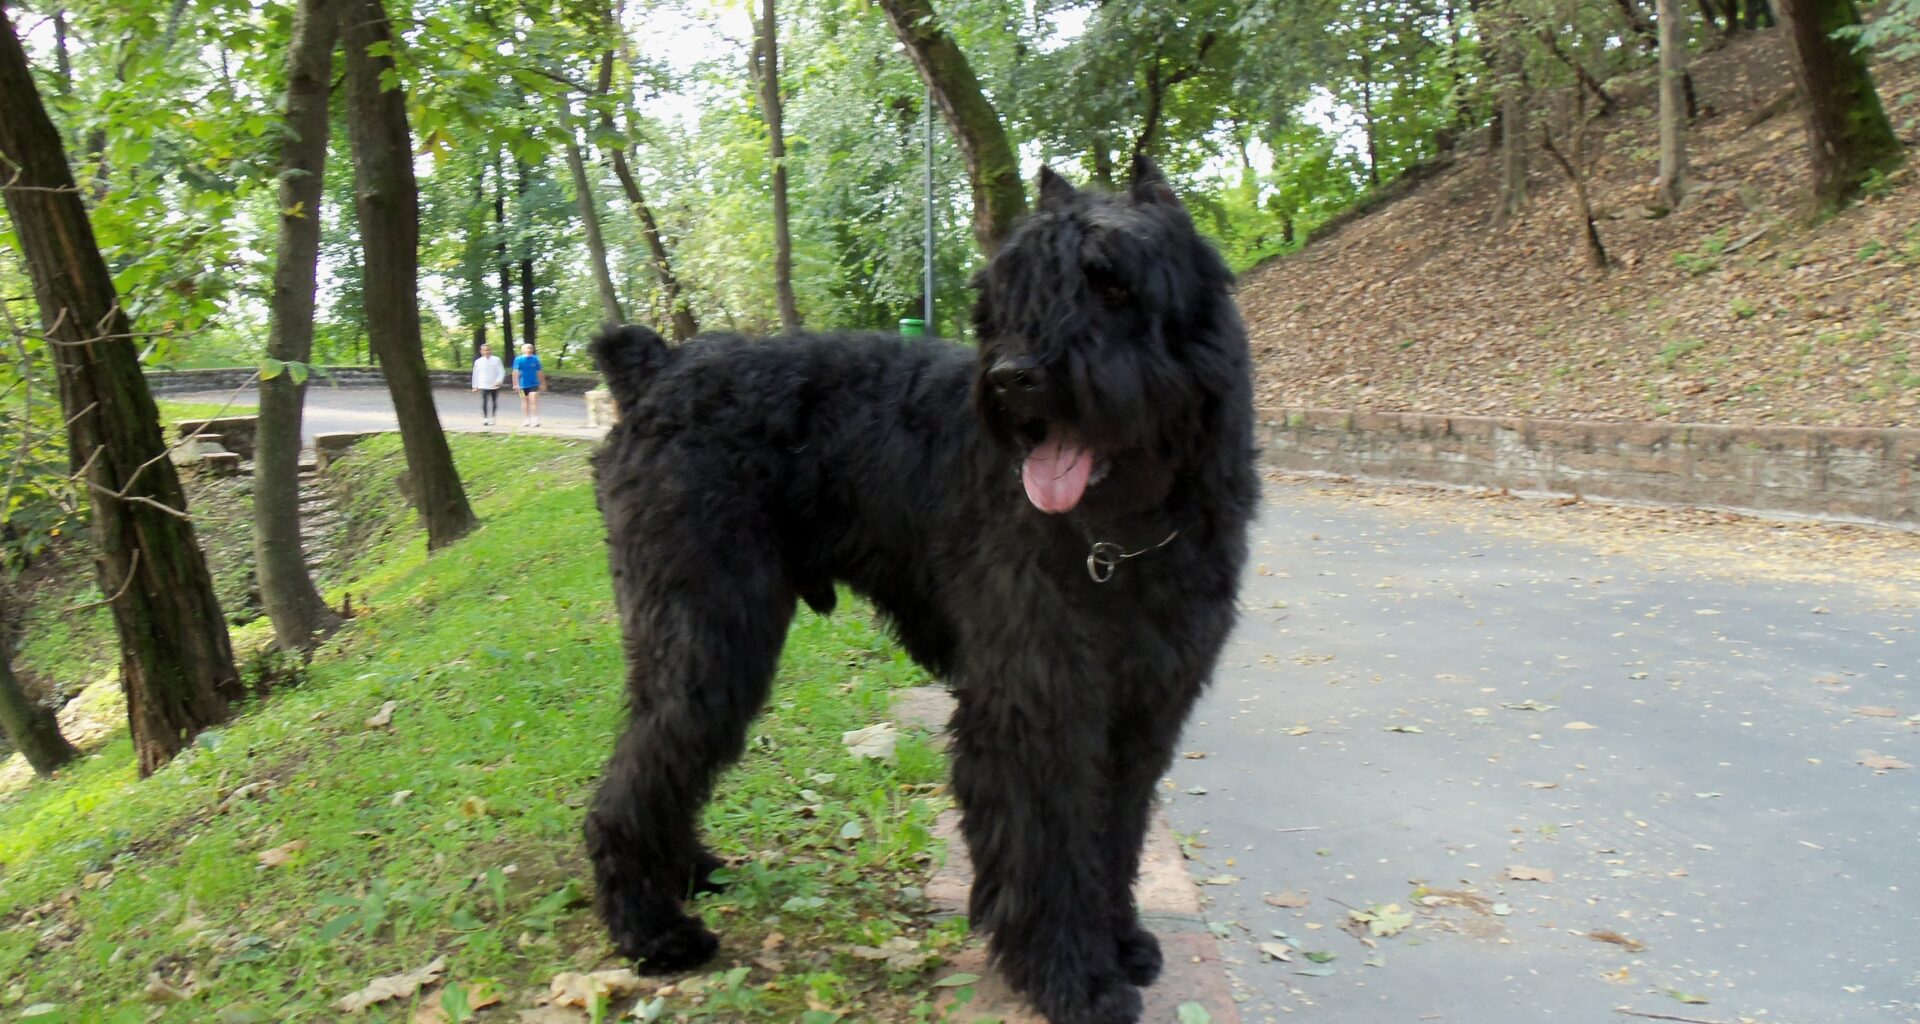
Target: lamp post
point(927, 314)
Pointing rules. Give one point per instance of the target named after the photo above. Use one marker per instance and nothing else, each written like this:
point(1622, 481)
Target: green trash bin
point(913, 327)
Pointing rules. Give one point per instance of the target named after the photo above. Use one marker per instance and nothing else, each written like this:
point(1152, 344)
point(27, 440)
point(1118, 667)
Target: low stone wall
point(226, 378)
point(1838, 472)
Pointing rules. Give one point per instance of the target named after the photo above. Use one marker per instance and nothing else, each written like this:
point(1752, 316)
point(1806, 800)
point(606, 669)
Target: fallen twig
point(1667, 1016)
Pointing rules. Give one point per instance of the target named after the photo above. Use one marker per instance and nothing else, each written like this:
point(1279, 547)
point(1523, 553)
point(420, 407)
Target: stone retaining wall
point(226, 378)
point(1835, 472)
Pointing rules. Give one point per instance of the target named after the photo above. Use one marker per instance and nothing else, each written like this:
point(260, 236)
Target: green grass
point(171, 411)
point(456, 831)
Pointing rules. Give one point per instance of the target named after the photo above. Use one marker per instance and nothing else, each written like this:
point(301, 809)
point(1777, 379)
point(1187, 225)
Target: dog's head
point(1109, 344)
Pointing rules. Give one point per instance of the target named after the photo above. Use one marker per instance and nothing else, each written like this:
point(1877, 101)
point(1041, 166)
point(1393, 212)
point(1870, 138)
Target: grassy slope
point(503, 656)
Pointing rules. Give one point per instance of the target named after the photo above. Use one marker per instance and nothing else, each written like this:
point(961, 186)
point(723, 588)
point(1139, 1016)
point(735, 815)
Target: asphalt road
point(333, 410)
point(1675, 754)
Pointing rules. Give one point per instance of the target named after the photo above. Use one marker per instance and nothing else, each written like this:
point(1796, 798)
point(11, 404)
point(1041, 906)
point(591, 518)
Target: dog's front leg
point(1031, 780)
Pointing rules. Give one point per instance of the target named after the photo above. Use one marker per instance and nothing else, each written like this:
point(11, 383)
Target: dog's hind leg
point(704, 631)
point(1030, 779)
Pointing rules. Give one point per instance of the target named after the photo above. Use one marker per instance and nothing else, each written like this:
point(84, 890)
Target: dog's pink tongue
point(1056, 472)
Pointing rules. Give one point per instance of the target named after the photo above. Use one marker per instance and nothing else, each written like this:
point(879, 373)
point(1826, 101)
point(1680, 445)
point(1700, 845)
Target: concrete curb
point(1169, 904)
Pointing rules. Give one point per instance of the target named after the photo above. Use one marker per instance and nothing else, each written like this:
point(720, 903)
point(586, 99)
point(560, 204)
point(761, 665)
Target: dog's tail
point(629, 358)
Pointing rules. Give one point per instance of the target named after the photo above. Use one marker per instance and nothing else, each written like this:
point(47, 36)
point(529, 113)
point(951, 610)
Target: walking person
point(489, 376)
point(530, 379)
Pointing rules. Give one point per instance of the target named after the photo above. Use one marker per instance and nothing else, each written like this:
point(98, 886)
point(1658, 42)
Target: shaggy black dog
point(1055, 524)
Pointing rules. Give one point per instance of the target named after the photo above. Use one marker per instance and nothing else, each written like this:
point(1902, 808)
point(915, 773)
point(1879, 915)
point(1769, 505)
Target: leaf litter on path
point(394, 986)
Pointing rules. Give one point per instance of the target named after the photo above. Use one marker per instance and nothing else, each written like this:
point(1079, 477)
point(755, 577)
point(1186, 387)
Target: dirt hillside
point(1732, 310)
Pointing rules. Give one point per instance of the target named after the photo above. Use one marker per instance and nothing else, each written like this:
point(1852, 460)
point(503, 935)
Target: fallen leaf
point(1875, 712)
point(1527, 705)
point(1522, 873)
point(1883, 763)
point(249, 791)
point(875, 742)
point(899, 952)
point(1607, 935)
point(1192, 1013)
point(1543, 785)
point(1289, 900)
point(956, 980)
point(1277, 951)
point(1579, 725)
point(281, 854)
point(1318, 972)
point(1195, 755)
point(1687, 997)
point(1404, 728)
point(1219, 879)
point(473, 807)
point(394, 986)
point(1384, 922)
point(583, 990)
point(1300, 730)
point(383, 717)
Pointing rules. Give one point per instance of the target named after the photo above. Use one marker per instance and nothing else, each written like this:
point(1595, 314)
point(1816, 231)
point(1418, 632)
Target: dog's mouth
point(1059, 467)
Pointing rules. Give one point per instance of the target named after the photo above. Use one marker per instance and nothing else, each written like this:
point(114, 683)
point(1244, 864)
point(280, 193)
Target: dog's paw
point(682, 947)
point(1139, 955)
point(1117, 1003)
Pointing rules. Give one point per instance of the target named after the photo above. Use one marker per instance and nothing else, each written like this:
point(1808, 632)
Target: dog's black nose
point(1016, 375)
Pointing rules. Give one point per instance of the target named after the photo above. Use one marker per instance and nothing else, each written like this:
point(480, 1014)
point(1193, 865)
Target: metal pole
point(928, 313)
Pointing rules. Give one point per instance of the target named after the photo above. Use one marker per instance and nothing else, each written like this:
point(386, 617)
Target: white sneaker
point(526, 421)
point(536, 421)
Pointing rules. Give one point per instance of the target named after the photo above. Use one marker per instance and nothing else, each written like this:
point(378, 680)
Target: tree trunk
point(500, 252)
point(529, 308)
point(590, 220)
point(32, 729)
point(992, 167)
point(1366, 121)
point(684, 325)
point(176, 664)
point(768, 59)
point(1587, 79)
point(1513, 144)
point(1574, 164)
point(300, 616)
point(387, 205)
point(1848, 137)
point(1673, 105)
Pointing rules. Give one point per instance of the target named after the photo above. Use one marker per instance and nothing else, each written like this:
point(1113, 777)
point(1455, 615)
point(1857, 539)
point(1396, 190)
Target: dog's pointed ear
point(1055, 191)
point(1149, 186)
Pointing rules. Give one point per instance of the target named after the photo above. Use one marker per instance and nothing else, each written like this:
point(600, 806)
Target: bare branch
point(133, 567)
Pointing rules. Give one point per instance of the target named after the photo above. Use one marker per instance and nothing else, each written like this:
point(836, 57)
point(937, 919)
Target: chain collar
point(1104, 556)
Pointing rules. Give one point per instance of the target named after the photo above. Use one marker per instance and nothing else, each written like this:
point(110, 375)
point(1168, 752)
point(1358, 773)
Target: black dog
point(1055, 524)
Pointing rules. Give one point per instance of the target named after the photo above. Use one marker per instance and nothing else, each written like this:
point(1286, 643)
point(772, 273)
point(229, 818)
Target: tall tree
point(590, 220)
point(992, 168)
point(299, 615)
point(176, 663)
point(29, 726)
point(767, 60)
point(387, 206)
point(684, 324)
point(1848, 137)
point(1673, 103)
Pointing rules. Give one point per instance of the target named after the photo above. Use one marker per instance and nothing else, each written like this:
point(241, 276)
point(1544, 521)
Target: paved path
point(1679, 751)
point(332, 410)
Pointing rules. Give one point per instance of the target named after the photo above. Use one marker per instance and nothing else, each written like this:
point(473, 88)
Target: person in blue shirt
point(529, 379)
